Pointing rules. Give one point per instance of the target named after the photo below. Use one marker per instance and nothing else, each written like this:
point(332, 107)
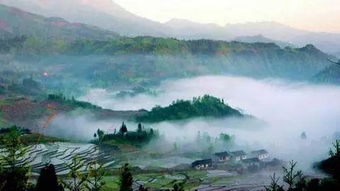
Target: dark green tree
point(139, 128)
point(126, 179)
point(123, 129)
point(13, 161)
point(48, 180)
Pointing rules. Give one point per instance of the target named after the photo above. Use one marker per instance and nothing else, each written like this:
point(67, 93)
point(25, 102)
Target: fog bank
point(288, 109)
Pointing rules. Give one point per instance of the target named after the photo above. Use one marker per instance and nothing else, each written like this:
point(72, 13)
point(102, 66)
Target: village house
point(222, 157)
point(260, 154)
point(251, 162)
point(238, 155)
point(202, 164)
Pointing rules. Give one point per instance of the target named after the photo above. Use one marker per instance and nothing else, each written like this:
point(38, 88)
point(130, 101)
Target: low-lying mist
point(287, 109)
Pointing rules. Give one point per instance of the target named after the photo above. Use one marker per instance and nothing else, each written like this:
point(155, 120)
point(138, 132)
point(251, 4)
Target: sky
point(314, 15)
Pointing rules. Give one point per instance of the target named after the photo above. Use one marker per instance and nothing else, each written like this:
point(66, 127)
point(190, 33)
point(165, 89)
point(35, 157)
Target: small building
point(238, 155)
point(251, 162)
point(202, 164)
point(260, 154)
point(222, 156)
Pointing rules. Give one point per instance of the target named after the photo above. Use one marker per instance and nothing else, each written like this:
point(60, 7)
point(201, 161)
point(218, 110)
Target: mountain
point(109, 15)
point(101, 13)
point(185, 29)
point(330, 74)
point(261, 38)
point(15, 22)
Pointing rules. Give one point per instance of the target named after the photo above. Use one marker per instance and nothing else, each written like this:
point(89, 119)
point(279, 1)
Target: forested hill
point(206, 106)
point(77, 55)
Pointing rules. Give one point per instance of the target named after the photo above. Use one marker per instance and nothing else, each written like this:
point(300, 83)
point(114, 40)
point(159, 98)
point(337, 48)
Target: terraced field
point(60, 154)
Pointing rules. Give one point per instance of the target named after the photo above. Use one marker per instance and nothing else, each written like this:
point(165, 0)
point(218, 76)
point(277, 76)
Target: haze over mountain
point(101, 13)
point(15, 23)
point(185, 58)
point(109, 15)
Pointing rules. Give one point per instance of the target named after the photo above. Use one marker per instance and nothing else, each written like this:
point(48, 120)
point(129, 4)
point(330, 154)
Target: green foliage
point(126, 179)
point(14, 169)
point(96, 174)
point(137, 138)
point(81, 104)
point(206, 106)
point(76, 180)
point(178, 187)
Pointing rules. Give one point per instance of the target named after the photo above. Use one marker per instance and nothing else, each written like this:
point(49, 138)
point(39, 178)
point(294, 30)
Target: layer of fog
point(289, 109)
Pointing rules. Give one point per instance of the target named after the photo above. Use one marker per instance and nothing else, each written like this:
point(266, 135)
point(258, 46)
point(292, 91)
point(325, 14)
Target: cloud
point(288, 109)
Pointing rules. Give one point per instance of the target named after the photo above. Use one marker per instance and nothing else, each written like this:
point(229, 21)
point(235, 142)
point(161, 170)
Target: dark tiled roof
point(259, 152)
point(223, 154)
point(251, 160)
point(199, 162)
point(238, 153)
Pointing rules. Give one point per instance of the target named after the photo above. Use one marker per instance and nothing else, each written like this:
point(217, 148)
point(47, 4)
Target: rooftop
point(238, 153)
point(259, 152)
point(204, 161)
point(223, 154)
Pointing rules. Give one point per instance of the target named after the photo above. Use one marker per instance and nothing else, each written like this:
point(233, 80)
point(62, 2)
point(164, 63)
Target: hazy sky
point(317, 15)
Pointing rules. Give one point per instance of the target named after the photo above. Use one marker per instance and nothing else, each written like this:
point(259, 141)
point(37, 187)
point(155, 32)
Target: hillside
point(148, 60)
point(329, 75)
point(15, 22)
point(205, 106)
point(34, 114)
point(101, 13)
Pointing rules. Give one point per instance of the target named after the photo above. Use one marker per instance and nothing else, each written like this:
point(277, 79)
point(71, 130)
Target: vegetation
point(295, 180)
point(332, 164)
point(14, 168)
point(73, 102)
point(48, 179)
point(206, 106)
point(126, 179)
point(137, 138)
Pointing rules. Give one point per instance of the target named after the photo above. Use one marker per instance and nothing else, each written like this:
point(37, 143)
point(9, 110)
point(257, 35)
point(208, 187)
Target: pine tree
point(123, 129)
point(126, 179)
point(48, 180)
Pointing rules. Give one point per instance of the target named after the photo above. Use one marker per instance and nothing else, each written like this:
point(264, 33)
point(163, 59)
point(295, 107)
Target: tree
point(100, 134)
point(96, 174)
point(48, 179)
point(76, 181)
point(140, 128)
point(126, 179)
point(179, 186)
point(123, 129)
point(292, 177)
point(274, 185)
point(13, 161)
point(336, 149)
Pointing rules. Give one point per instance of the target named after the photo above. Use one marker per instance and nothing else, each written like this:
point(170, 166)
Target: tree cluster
point(205, 106)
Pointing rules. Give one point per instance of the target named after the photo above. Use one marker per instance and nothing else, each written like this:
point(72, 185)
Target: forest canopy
point(205, 106)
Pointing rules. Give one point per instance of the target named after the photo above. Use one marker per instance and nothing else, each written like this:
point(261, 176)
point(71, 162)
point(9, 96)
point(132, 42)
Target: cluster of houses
point(253, 158)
